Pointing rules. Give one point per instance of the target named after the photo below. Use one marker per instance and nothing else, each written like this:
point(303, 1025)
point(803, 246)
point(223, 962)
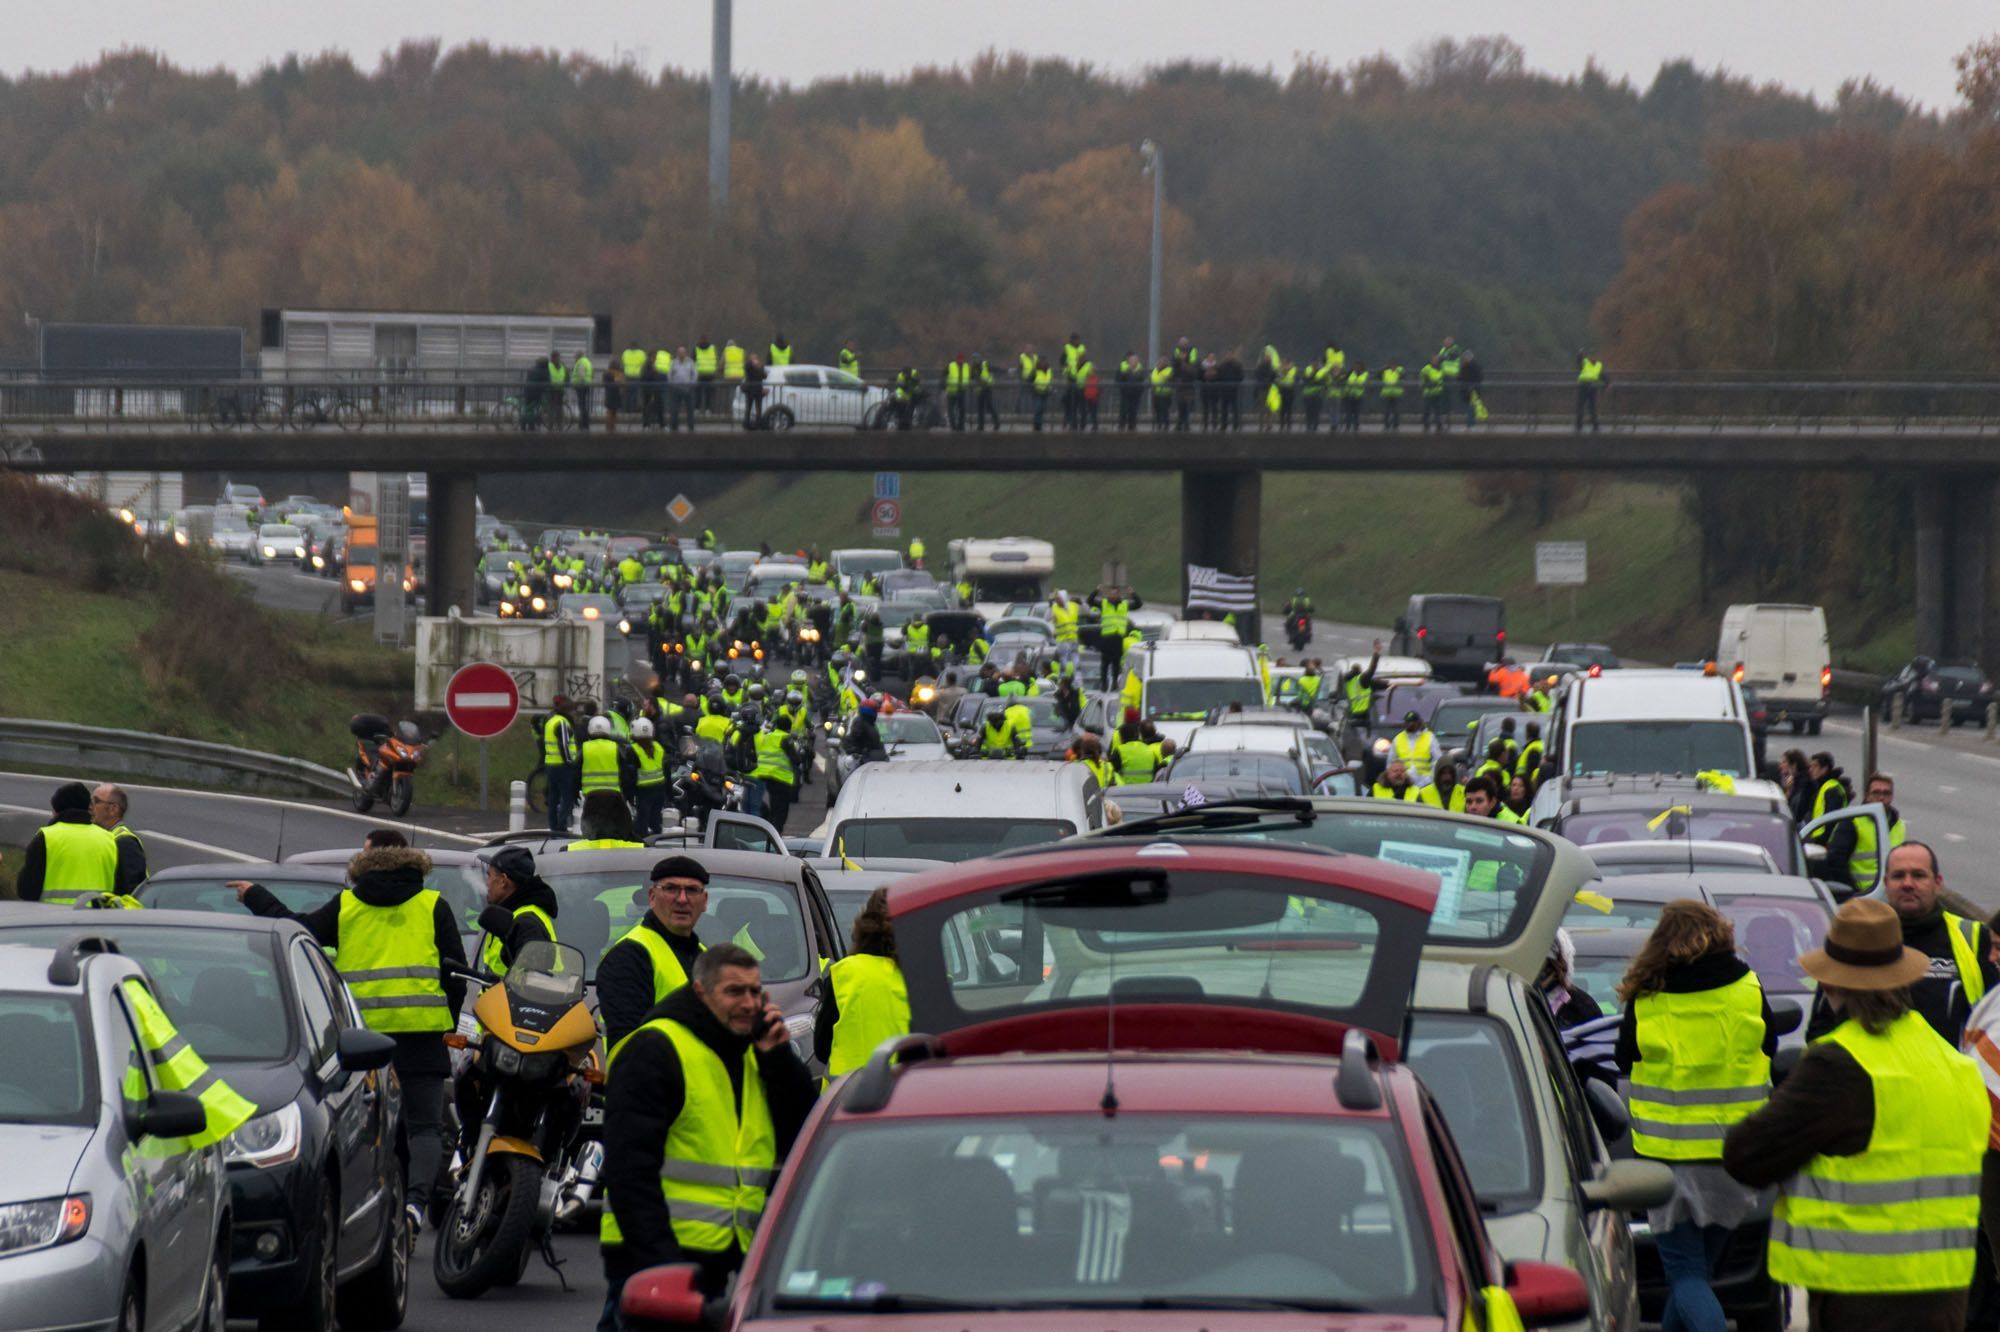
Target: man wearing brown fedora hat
point(1875, 1141)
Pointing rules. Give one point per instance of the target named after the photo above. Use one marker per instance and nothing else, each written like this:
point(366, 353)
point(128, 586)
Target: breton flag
point(1224, 593)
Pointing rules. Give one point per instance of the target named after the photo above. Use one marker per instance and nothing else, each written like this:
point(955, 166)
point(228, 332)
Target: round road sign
point(482, 700)
point(888, 513)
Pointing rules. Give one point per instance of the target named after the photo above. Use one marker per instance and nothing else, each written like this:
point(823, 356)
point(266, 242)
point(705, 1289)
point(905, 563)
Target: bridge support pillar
point(1933, 520)
point(453, 538)
point(1970, 565)
point(1956, 578)
point(1221, 512)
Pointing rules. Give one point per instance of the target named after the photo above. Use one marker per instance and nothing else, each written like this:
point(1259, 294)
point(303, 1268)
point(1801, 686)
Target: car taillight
point(1737, 674)
point(1596, 671)
point(1825, 676)
point(1499, 635)
point(1421, 631)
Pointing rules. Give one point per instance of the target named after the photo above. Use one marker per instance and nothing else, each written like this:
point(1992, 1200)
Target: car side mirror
point(1545, 1294)
point(1815, 854)
point(1787, 1016)
point(1630, 1186)
point(1607, 1109)
point(663, 1296)
point(172, 1114)
point(360, 1049)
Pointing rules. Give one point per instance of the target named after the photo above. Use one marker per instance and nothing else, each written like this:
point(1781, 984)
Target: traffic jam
point(1335, 1001)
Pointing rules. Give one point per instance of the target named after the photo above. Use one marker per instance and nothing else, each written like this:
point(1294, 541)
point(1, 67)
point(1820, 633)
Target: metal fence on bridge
point(813, 399)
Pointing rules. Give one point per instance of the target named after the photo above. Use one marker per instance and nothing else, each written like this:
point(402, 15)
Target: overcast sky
point(1807, 46)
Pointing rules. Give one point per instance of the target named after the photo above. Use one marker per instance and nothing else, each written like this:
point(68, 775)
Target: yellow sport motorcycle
point(533, 1062)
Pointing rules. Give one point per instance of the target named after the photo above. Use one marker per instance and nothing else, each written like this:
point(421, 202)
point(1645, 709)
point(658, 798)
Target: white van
point(1780, 650)
point(1002, 570)
point(1182, 681)
point(954, 810)
point(1652, 722)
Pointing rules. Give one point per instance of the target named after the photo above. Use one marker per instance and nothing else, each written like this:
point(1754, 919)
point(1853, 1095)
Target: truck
point(1460, 636)
point(1780, 650)
point(357, 580)
point(1002, 570)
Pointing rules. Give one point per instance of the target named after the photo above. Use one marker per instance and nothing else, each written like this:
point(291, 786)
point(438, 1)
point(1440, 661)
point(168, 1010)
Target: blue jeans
point(563, 783)
point(1688, 1257)
point(753, 797)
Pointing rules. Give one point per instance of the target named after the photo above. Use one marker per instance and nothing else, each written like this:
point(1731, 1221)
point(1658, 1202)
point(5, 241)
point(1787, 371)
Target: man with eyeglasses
point(108, 804)
point(654, 957)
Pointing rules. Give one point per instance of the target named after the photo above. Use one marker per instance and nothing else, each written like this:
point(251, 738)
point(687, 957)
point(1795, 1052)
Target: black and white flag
point(1213, 590)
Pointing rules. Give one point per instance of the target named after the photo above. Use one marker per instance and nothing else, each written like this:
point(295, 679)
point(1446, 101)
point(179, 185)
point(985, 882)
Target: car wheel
point(378, 1299)
point(1812, 727)
point(778, 418)
point(215, 1291)
point(315, 1309)
point(131, 1314)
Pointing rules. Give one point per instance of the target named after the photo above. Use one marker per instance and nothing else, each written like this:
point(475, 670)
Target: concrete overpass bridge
point(1946, 435)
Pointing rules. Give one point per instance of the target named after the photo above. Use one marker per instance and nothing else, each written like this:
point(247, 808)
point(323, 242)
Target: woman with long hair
point(1797, 781)
point(862, 1001)
point(1696, 1043)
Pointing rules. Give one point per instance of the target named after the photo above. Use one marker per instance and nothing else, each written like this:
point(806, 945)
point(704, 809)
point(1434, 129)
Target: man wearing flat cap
point(654, 957)
point(1875, 1141)
point(520, 907)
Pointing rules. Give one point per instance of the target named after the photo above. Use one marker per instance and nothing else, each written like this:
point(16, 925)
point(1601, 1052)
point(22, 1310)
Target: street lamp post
point(1156, 167)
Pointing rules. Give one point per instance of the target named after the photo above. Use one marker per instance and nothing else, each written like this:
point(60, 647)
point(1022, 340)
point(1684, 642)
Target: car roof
point(1644, 695)
point(1290, 719)
point(1701, 884)
point(25, 969)
point(1615, 852)
point(298, 872)
point(1246, 737)
point(1679, 791)
point(341, 855)
point(951, 788)
point(109, 923)
point(1198, 659)
point(1148, 1082)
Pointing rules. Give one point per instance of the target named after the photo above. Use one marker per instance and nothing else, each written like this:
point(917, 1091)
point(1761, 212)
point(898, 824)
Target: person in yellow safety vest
point(602, 766)
point(520, 908)
point(1829, 787)
point(779, 352)
point(707, 361)
point(1352, 392)
point(849, 360)
point(633, 362)
point(1066, 616)
point(1074, 354)
point(1161, 376)
point(996, 732)
point(1133, 758)
point(699, 1099)
point(560, 756)
point(1696, 1042)
point(774, 769)
point(733, 360)
point(916, 648)
point(957, 379)
point(1417, 747)
point(179, 1067)
point(715, 726)
point(1875, 1141)
point(1448, 357)
point(1589, 378)
point(1021, 724)
point(1264, 669)
point(1446, 791)
point(1531, 752)
point(558, 381)
point(1856, 841)
point(1392, 396)
point(916, 552)
point(865, 1001)
point(1395, 784)
point(1090, 753)
point(582, 375)
point(649, 778)
point(1334, 361)
point(393, 941)
point(983, 405)
point(1040, 383)
point(69, 857)
point(652, 959)
point(1430, 377)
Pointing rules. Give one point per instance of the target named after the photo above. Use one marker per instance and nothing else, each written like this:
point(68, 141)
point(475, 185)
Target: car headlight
point(539, 604)
point(299, 552)
point(506, 608)
point(180, 538)
point(526, 590)
point(319, 561)
point(270, 552)
point(357, 585)
point(42, 1223)
point(268, 1140)
point(624, 626)
point(1382, 746)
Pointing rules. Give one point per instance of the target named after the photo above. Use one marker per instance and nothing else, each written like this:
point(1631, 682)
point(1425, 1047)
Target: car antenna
point(279, 854)
point(1109, 1102)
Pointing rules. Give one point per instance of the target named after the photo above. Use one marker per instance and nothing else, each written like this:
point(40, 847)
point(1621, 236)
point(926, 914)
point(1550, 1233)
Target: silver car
point(106, 1221)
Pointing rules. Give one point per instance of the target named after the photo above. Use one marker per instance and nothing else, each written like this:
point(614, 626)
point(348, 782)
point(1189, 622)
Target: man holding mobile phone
point(705, 1098)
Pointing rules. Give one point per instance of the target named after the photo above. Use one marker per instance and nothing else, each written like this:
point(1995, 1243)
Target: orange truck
point(357, 580)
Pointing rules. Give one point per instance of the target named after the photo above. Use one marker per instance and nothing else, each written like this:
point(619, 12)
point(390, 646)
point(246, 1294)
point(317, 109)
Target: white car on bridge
point(816, 395)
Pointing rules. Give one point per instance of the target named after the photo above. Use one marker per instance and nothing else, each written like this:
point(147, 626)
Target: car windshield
point(1022, 626)
point(275, 532)
point(1584, 654)
point(1455, 618)
point(910, 728)
point(1192, 699)
point(1473, 1072)
point(1270, 772)
point(44, 1049)
point(1488, 877)
point(1076, 1211)
point(1668, 822)
point(1455, 718)
point(219, 986)
point(597, 907)
point(1008, 587)
point(1771, 935)
point(1598, 748)
point(1601, 908)
point(860, 563)
point(946, 839)
point(463, 887)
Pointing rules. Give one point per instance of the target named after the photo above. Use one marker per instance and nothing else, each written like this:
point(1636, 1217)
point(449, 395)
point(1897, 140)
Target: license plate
point(593, 1116)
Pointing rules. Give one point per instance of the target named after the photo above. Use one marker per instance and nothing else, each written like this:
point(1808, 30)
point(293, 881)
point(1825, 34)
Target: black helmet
point(732, 681)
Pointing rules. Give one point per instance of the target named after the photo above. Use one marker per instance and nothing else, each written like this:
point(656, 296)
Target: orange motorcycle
point(385, 764)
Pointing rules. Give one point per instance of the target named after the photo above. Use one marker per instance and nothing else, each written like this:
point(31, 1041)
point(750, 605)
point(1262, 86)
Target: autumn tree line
point(1700, 222)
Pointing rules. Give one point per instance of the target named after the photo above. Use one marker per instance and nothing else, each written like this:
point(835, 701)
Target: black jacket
point(864, 740)
point(1704, 973)
point(646, 1096)
point(1939, 996)
point(625, 979)
point(513, 931)
point(131, 863)
point(386, 877)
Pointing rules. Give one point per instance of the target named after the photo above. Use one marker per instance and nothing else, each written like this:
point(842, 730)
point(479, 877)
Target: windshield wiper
point(1218, 814)
point(886, 1302)
point(1246, 1303)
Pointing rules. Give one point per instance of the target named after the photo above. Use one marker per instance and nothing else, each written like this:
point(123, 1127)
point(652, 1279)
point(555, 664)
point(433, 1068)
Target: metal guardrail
point(104, 751)
point(332, 403)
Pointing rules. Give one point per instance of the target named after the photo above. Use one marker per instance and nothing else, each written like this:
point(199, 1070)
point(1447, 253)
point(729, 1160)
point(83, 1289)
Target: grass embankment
point(105, 630)
point(1360, 545)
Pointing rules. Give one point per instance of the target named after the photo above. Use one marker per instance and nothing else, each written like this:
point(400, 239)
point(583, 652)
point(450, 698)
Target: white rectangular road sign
point(545, 657)
point(1561, 563)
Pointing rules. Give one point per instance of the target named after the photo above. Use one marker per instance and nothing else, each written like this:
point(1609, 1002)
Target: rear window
point(1671, 822)
point(43, 1048)
point(1191, 700)
point(945, 839)
point(1269, 771)
point(300, 895)
point(596, 909)
point(1472, 1070)
point(1772, 933)
point(1458, 616)
point(1687, 747)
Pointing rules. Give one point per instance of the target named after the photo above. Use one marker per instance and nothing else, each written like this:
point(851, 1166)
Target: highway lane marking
point(1947, 790)
point(1954, 837)
point(1979, 758)
point(275, 804)
point(189, 843)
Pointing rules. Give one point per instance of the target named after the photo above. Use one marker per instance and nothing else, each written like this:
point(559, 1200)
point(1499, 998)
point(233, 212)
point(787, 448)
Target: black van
point(1458, 635)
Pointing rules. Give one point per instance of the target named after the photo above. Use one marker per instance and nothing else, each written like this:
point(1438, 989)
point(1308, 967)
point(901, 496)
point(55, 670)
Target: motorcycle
point(534, 1056)
point(1298, 631)
point(704, 783)
point(385, 763)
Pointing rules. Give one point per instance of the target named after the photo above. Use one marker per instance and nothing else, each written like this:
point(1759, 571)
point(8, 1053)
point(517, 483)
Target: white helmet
point(599, 726)
point(642, 729)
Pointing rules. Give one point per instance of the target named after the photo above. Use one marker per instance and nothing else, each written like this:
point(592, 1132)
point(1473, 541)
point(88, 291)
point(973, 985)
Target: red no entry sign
point(482, 700)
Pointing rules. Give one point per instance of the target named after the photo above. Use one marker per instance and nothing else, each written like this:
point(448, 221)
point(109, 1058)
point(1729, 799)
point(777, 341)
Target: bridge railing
point(812, 400)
